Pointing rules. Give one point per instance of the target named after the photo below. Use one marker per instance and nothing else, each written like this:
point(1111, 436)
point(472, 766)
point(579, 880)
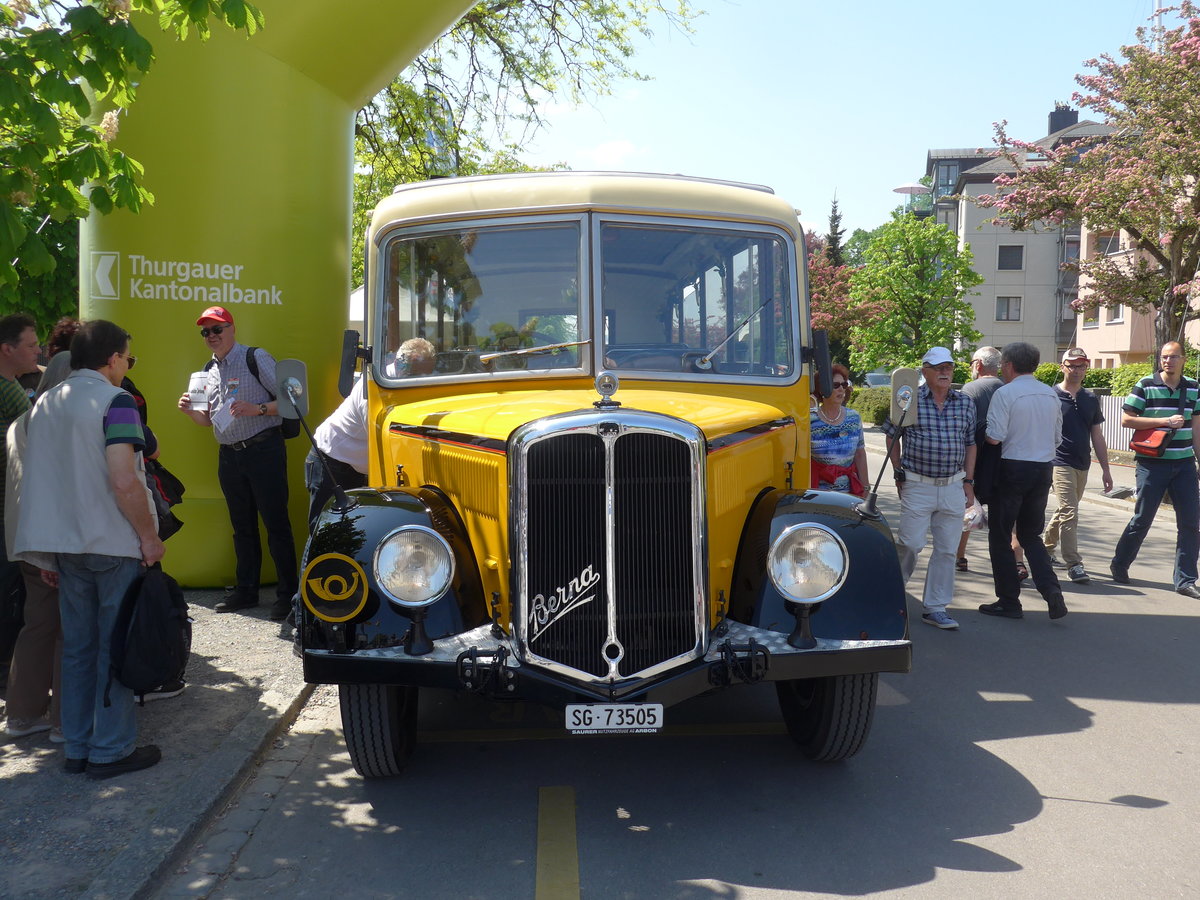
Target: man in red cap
point(252, 465)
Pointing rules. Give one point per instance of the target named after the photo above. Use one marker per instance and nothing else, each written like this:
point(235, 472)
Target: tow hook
point(747, 663)
point(484, 672)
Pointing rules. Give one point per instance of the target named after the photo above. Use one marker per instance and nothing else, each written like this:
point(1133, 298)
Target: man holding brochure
point(252, 466)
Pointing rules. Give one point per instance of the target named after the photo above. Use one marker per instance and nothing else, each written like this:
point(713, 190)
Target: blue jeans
point(90, 589)
point(1154, 478)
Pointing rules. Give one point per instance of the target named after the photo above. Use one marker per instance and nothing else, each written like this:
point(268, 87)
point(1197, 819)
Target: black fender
point(342, 605)
point(869, 605)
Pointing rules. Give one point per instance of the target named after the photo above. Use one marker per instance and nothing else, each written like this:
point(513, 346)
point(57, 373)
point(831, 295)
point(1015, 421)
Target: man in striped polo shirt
point(1156, 402)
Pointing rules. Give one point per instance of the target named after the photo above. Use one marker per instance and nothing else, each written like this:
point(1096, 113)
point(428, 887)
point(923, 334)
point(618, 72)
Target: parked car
point(597, 496)
point(877, 379)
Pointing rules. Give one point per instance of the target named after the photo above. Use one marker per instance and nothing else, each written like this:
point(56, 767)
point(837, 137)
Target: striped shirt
point(1152, 399)
point(123, 423)
point(230, 379)
point(936, 446)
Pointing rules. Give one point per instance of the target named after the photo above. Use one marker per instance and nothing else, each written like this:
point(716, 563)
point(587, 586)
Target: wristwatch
point(899, 474)
point(262, 409)
point(968, 481)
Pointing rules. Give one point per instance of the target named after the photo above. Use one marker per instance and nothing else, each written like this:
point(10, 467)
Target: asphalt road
point(1019, 759)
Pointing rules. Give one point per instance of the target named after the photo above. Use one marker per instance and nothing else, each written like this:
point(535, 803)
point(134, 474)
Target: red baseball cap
point(216, 314)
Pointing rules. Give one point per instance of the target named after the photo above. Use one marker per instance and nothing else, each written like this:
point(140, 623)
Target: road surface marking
point(557, 850)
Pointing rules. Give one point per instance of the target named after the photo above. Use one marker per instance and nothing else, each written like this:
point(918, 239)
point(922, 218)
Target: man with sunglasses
point(1166, 399)
point(252, 462)
point(85, 513)
point(1082, 432)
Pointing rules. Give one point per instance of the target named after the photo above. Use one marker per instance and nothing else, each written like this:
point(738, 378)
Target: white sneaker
point(22, 727)
point(939, 619)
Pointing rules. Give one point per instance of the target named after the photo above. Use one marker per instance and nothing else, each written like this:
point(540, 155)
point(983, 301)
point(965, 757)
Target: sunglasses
point(215, 329)
point(841, 384)
point(130, 359)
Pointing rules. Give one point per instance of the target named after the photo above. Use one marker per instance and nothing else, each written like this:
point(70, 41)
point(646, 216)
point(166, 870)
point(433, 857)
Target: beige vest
point(67, 504)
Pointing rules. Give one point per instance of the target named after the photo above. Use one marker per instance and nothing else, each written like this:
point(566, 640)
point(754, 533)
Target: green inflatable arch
point(248, 148)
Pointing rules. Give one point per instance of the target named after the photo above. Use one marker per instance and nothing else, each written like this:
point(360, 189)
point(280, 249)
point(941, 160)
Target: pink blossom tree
point(1141, 177)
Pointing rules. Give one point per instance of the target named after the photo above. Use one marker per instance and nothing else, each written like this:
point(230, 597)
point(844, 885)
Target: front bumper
point(482, 661)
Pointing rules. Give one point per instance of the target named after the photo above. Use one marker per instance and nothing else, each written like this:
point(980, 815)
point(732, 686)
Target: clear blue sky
point(845, 98)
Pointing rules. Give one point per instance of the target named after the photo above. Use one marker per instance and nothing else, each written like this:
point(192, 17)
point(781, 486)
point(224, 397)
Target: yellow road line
point(557, 849)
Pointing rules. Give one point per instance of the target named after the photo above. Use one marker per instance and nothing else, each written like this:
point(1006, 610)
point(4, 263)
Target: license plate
point(614, 718)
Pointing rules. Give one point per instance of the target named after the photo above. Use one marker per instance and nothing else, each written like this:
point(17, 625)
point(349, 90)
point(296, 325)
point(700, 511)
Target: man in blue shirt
point(1081, 432)
point(1167, 399)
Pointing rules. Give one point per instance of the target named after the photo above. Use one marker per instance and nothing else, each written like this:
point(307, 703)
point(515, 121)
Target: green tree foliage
point(68, 69)
point(465, 106)
point(1140, 178)
point(833, 240)
point(910, 295)
point(854, 250)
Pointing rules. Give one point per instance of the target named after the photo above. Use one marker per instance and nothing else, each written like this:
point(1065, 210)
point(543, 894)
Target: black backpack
point(152, 635)
point(290, 427)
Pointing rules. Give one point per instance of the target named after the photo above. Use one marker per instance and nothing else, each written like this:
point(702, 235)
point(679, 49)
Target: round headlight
point(807, 563)
point(414, 565)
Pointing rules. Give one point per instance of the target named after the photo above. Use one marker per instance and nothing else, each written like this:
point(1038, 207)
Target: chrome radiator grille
point(610, 562)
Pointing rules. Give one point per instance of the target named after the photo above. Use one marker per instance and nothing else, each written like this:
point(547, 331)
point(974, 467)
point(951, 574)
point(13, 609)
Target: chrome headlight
point(414, 565)
point(807, 563)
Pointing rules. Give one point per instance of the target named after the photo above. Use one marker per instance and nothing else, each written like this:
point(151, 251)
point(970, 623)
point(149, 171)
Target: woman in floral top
point(839, 454)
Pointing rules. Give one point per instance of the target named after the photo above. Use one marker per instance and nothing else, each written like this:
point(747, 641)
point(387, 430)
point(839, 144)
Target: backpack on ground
point(152, 635)
point(289, 427)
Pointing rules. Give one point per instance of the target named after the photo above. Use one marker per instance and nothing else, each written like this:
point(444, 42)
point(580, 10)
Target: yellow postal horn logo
point(334, 587)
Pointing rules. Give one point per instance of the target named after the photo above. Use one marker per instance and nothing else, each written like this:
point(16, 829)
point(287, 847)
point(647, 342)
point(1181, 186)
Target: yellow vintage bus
point(588, 398)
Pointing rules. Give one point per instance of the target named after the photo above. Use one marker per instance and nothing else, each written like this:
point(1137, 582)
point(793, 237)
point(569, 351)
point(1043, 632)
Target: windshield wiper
point(705, 362)
point(529, 351)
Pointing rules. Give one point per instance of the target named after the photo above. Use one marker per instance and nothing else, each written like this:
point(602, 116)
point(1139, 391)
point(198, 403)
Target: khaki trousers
point(35, 680)
point(1067, 486)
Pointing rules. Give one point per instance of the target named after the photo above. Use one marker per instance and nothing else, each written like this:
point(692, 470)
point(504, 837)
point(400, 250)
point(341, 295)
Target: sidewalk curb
point(153, 850)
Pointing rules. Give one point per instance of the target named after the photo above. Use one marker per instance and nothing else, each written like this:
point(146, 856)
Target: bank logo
point(106, 275)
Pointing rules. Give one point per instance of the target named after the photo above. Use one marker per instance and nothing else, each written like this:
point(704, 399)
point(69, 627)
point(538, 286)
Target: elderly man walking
point(934, 469)
point(86, 513)
point(1082, 432)
point(1025, 416)
point(1166, 399)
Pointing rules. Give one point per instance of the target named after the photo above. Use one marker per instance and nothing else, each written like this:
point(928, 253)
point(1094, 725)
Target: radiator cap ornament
point(606, 385)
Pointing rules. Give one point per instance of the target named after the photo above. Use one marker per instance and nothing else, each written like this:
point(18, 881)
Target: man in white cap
point(1082, 432)
point(935, 475)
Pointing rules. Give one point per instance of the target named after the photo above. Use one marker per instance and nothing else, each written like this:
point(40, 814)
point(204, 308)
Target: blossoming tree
point(1140, 178)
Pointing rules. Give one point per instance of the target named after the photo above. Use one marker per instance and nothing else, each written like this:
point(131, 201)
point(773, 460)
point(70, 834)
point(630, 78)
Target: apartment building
point(1025, 295)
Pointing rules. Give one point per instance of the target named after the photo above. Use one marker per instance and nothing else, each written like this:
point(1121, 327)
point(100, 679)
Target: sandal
point(1022, 572)
point(961, 565)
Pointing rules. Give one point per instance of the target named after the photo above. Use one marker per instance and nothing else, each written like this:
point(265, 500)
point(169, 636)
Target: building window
point(1008, 309)
point(1091, 318)
point(1011, 257)
point(1108, 243)
point(1115, 314)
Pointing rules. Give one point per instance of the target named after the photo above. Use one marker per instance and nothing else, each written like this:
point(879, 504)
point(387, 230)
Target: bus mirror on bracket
point(349, 362)
point(822, 361)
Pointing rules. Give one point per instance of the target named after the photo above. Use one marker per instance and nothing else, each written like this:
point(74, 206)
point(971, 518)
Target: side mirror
point(823, 361)
point(904, 397)
point(292, 377)
point(349, 362)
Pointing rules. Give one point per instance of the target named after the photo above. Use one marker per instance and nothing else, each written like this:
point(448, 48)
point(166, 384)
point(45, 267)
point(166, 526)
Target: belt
point(925, 479)
point(257, 439)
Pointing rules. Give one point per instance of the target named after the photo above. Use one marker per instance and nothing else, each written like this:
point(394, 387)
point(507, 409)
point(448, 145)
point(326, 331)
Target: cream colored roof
point(617, 192)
